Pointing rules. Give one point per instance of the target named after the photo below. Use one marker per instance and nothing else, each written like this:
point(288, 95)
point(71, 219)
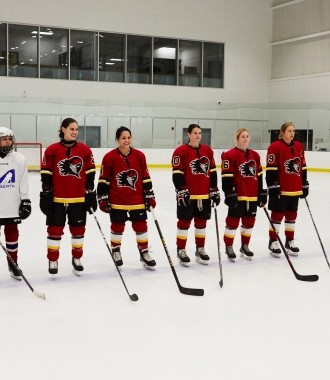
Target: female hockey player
point(195, 179)
point(15, 204)
point(286, 177)
point(67, 176)
point(242, 183)
point(125, 192)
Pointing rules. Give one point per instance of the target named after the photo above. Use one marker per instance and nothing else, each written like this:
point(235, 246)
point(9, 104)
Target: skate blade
point(77, 273)
point(184, 264)
point(277, 255)
point(148, 267)
point(18, 278)
point(244, 256)
point(231, 259)
point(291, 253)
point(200, 261)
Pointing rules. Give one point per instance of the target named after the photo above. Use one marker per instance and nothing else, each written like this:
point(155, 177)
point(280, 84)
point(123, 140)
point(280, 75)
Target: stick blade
point(40, 295)
point(309, 278)
point(191, 291)
point(221, 283)
point(133, 297)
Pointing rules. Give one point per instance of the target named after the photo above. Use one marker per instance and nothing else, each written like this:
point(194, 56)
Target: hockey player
point(15, 204)
point(125, 192)
point(286, 177)
point(195, 179)
point(67, 176)
point(242, 183)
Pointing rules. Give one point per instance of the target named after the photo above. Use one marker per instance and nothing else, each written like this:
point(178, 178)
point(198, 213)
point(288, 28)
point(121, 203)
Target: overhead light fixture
point(43, 33)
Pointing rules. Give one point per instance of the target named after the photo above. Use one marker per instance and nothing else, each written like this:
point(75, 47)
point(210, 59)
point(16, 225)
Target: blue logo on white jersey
point(8, 178)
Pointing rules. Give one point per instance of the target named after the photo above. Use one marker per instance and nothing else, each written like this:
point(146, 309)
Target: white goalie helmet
point(6, 132)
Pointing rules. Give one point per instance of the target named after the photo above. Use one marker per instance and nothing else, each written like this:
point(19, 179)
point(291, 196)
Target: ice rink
point(263, 324)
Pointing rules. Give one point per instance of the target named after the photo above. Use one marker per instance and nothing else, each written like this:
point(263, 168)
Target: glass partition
point(165, 61)
point(54, 60)
point(213, 59)
point(3, 49)
point(112, 57)
point(23, 51)
point(138, 59)
point(190, 58)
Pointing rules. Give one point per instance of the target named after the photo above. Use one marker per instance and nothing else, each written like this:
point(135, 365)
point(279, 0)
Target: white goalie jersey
point(14, 184)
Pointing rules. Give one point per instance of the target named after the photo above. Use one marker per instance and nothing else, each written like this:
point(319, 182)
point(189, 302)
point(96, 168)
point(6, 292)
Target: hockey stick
point(133, 297)
point(317, 232)
point(312, 277)
point(183, 290)
point(218, 243)
point(38, 294)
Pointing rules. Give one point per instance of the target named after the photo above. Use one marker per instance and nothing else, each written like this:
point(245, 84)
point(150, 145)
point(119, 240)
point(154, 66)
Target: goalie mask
point(6, 145)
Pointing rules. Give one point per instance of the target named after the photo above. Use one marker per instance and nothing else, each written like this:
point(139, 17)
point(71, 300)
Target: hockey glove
point(183, 197)
point(149, 199)
point(231, 199)
point(24, 208)
point(215, 196)
point(262, 198)
point(274, 191)
point(90, 202)
point(104, 203)
point(305, 190)
point(46, 202)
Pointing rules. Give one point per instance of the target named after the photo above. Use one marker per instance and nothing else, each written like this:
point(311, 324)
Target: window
point(83, 55)
point(165, 61)
point(54, 53)
point(139, 59)
point(213, 65)
point(3, 49)
point(112, 57)
point(23, 51)
point(190, 56)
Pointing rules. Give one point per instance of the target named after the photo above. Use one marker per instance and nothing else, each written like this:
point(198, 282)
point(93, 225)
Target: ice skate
point(201, 256)
point(183, 257)
point(291, 248)
point(230, 253)
point(147, 261)
point(116, 254)
point(274, 248)
point(53, 267)
point(77, 266)
point(14, 273)
point(245, 252)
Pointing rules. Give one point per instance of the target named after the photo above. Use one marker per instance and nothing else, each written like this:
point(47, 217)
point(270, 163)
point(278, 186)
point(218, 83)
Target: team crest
point(200, 166)
point(127, 178)
point(292, 166)
point(8, 177)
point(248, 169)
point(70, 166)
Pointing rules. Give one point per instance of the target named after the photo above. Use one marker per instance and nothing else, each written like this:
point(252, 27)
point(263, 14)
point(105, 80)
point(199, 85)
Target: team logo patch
point(8, 177)
point(248, 169)
point(292, 166)
point(70, 166)
point(127, 178)
point(200, 166)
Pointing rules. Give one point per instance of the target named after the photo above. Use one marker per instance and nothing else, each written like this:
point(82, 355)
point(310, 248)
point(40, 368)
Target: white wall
point(244, 27)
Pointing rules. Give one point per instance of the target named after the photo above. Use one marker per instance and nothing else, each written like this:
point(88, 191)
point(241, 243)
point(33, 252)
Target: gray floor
point(263, 323)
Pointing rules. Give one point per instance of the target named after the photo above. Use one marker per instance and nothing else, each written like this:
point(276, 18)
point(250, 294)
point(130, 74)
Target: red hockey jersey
point(241, 171)
point(126, 178)
point(195, 169)
point(285, 165)
point(68, 168)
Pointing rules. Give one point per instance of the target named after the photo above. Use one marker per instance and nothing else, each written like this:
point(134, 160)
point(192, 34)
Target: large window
point(83, 55)
point(54, 53)
point(50, 52)
point(165, 61)
point(190, 56)
point(23, 51)
point(112, 57)
point(213, 65)
point(138, 59)
point(3, 49)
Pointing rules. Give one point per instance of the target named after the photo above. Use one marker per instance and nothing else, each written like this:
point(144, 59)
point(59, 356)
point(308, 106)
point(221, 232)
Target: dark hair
point(120, 130)
point(65, 123)
point(193, 126)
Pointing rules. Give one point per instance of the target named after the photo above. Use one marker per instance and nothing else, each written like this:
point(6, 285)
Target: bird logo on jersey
point(127, 178)
point(248, 169)
point(200, 165)
point(292, 166)
point(70, 166)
